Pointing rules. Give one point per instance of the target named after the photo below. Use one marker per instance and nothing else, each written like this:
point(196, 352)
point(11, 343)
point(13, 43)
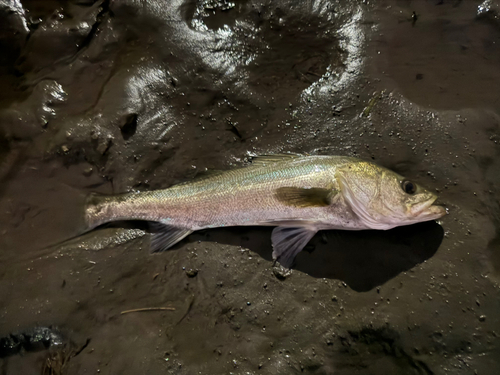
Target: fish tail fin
point(83, 222)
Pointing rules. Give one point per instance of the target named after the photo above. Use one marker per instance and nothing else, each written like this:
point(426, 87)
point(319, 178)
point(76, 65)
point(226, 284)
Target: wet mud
point(111, 96)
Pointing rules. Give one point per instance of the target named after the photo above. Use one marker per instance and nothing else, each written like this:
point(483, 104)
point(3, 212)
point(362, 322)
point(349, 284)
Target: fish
point(297, 194)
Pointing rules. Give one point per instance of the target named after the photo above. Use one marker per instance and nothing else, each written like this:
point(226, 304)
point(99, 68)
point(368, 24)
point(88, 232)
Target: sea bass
point(299, 195)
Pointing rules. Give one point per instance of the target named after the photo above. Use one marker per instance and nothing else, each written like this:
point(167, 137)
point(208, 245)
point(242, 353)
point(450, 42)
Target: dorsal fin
point(262, 160)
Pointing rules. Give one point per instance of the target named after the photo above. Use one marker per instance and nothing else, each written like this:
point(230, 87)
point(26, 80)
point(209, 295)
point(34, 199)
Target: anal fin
point(164, 236)
point(289, 241)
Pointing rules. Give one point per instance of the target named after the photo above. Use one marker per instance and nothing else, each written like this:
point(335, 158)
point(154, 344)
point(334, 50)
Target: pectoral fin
point(165, 236)
point(306, 197)
point(289, 241)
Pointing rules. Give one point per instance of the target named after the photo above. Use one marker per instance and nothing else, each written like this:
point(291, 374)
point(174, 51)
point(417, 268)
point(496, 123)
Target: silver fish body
point(298, 194)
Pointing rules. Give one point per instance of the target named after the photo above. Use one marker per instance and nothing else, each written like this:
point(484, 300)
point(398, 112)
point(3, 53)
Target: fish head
point(383, 199)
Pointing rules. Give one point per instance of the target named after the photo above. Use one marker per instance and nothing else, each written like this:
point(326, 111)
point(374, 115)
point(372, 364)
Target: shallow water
point(110, 96)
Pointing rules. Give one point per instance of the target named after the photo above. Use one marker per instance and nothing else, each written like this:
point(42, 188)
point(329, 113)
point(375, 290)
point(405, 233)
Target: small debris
point(281, 272)
point(87, 171)
point(191, 273)
point(414, 18)
point(57, 361)
point(233, 127)
point(371, 104)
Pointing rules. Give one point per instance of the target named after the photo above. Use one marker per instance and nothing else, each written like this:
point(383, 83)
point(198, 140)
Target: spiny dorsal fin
point(262, 160)
point(306, 197)
point(289, 241)
point(165, 236)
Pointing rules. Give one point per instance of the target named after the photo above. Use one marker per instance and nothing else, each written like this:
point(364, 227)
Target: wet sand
point(111, 96)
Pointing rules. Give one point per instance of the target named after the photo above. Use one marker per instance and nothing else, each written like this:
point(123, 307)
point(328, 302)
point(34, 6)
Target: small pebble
point(191, 273)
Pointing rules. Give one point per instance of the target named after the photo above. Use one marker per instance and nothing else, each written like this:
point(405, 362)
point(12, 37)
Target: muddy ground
point(112, 96)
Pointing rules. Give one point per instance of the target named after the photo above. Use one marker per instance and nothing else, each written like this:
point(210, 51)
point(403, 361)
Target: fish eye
point(409, 187)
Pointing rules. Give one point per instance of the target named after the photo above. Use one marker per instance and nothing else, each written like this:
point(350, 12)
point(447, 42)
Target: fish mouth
point(428, 210)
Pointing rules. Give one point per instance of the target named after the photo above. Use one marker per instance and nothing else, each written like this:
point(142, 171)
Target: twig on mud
point(148, 309)
point(56, 362)
point(188, 309)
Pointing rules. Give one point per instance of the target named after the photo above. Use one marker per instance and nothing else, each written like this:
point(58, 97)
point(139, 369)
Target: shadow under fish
point(363, 260)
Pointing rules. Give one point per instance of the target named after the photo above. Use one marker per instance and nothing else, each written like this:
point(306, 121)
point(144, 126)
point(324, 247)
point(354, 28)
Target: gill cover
point(360, 185)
